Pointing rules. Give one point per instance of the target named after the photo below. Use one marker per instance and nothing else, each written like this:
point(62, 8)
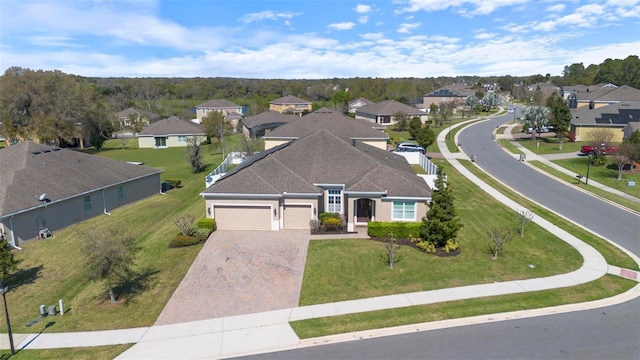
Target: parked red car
point(590, 150)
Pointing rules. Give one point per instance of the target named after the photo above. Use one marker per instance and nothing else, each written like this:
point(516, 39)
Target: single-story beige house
point(170, 132)
point(287, 186)
point(44, 188)
point(384, 112)
point(333, 121)
point(291, 104)
point(358, 103)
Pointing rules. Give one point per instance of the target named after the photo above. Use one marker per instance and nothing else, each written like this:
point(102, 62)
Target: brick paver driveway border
point(240, 272)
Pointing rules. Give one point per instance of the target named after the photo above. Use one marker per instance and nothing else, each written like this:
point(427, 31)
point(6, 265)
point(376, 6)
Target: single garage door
point(297, 216)
point(242, 217)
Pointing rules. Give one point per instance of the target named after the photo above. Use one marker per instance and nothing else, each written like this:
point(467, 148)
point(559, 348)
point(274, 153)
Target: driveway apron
point(240, 272)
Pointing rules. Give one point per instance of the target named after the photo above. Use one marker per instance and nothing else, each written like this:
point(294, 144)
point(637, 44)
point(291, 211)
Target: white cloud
point(555, 8)
point(341, 26)
point(464, 7)
point(406, 28)
point(362, 9)
point(363, 19)
point(267, 15)
point(484, 36)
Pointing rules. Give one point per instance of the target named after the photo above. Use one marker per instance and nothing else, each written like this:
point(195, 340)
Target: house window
point(334, 201)
point(87, 202)
point(404, 210)
point(161, 142)
point(120, 192)
point(182, 138)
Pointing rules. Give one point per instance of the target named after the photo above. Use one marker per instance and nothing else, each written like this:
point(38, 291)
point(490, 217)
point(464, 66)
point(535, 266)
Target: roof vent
point(46, 151)
point(56, 149)
point(35, 152)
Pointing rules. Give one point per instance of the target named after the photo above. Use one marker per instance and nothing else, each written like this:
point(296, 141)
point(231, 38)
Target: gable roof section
point(361, 100)
point(289, 99)
point(389, 107)
point(30, 169)
point(217, 103)
point(616, 114)
point(322, 158)
point(173, 126)
point(451, 91)
point(132, 110)
point(327, 119)
point(268, 117)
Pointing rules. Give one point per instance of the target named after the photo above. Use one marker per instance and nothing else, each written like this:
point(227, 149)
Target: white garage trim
point(297, 216)
point(243, 216)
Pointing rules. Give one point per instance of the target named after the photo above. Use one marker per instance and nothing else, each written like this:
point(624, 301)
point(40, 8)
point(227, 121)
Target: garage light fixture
point(275, 212)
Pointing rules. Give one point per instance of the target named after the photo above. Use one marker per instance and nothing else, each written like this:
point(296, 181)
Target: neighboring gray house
point(628, 130)
point(287, 186)
point(170, 132)
point(333, 121)
point(384, 112)
point(258, 125)
point(45, 187)
point(450, 93)
point(358, 103)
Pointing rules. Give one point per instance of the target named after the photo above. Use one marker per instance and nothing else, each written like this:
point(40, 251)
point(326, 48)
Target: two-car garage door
point(243, 217)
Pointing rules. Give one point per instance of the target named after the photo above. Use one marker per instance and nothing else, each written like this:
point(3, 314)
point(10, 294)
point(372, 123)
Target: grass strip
point(612, 254)
point(604, 287)
point(597, 191)
point(509, 146)
point(546, 145)
point(83, 353)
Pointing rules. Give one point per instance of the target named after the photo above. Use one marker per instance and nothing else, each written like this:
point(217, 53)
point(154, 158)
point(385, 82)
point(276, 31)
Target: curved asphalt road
point(606, 333)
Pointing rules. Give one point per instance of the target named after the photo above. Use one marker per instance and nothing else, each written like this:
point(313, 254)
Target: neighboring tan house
point(334, 121)
point(45, 188)
point(614, 116)
point(358, 103)
point(604, 95)
point(171, 132)
point(291, 104)
point(258, 125)
point(287, 186)
point(231, 111)
point(126, 118)
point(630, 128)
point(384, 112)
point(450, 93)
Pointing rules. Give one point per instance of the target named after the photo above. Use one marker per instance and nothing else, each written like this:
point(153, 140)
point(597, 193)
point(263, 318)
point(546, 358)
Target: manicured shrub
point(323, 216)
point(182, 241)
point(175, 183)
point(206, 224)
point(451, 245)
point(400, 230)
point(426, 246)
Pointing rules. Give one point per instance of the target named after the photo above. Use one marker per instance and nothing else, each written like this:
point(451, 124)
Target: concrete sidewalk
point(270, 331)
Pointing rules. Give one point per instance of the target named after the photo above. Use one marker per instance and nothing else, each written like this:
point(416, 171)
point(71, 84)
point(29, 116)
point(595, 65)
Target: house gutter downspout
point(104, 203)
point(13, 235)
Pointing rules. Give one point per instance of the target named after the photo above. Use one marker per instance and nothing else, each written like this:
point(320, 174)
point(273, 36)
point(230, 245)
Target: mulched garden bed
point(406, 242)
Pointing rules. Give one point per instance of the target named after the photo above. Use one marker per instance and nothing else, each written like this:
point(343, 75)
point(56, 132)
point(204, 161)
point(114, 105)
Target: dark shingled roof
point(268, 117)
point(613, 114)
point(610, 93)
point(332, 121)
point(173, 126)
point(361, 99)
point(217, 103)
point(322, 158)
point(451, 91)
point(144, 113)
point(289, 99)
point(389, 107)
point(28, 169)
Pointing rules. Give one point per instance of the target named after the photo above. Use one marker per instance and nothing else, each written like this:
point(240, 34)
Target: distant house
point(171, 132)
point(450, 93)
point(291, 104)
point(288, 186)
point(613, 116)
point(231, 111)
point(630, 128)
point(333, 121)
point(127, 117)
point(605, 95)
point(260, 124)
point(384, 112)
point(358, 103)
point(47, 188)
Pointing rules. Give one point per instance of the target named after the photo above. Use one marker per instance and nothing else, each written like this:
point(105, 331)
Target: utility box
point(52, 310)
point(43, 310)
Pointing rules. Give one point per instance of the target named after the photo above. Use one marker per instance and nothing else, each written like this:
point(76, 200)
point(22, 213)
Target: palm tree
point(535, 116)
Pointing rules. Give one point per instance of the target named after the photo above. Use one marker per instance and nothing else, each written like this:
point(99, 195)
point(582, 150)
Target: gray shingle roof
point(361, 99)
point(332, 121)
point(218, 103)
point(28, 169)
point(289, 99)
point(268, 117)
point(173, 126)
point(132, 110)
point(322, 158)
point(612, 114)
point(388, 108)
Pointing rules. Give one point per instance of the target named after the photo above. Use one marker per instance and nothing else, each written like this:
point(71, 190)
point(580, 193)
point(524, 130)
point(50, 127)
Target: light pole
point(586, 181)
point(4, 287)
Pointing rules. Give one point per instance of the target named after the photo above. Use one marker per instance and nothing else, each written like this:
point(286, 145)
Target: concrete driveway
point(240, 272)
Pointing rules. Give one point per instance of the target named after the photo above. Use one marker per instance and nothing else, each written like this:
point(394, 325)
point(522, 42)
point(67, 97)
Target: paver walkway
point(240, 272)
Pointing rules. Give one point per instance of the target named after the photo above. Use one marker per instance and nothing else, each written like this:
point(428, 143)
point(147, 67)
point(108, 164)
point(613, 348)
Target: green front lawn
point(54, 269)
point(544, 146)
point(339, 270)
point(605, 174)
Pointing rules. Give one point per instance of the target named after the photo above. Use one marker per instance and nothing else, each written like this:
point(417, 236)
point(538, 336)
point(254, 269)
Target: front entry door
point(364, 210)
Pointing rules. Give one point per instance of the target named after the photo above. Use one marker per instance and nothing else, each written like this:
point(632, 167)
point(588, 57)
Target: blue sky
point(315, 39)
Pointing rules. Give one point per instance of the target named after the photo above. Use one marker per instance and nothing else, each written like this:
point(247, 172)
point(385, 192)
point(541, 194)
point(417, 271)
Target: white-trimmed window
point(182, 138)
point(87, 202)
point(404, 210)
point(120, 192)
point(334, 201)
